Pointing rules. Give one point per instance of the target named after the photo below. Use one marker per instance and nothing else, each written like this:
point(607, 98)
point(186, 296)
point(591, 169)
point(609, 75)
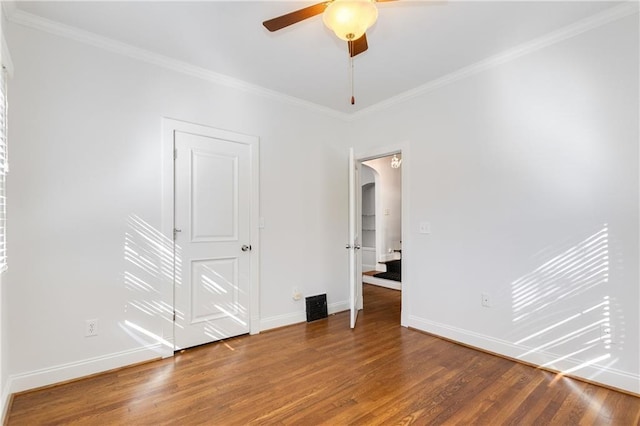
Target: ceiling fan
point(349, 20)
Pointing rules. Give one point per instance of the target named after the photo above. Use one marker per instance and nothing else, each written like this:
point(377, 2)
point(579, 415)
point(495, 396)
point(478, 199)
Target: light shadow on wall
point(150, 262)
point(563, 309)
point(148, 279)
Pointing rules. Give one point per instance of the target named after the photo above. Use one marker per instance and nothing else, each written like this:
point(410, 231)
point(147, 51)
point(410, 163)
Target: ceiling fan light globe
point(350, 19)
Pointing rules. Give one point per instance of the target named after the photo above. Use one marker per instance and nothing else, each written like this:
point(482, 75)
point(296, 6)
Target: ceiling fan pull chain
point(353, 98)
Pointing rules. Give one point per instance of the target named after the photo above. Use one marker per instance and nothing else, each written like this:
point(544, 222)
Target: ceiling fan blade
point(358, 46)
point(283, 21)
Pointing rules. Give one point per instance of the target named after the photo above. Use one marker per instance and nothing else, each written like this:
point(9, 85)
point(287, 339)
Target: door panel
point(355, 262)
point(212, 207)
point(214, 202)
point(214, 289)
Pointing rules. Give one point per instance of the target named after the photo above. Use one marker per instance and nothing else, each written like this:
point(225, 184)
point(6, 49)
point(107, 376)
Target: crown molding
point(5, 58)
point(17, 16)
point(8, 8)
point(20, 17)
point(582, 26)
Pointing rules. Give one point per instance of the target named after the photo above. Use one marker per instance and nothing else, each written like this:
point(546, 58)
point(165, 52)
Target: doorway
point(381, 220)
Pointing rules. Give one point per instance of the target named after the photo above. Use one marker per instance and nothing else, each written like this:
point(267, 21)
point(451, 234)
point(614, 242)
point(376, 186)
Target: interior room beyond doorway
point(381, 182)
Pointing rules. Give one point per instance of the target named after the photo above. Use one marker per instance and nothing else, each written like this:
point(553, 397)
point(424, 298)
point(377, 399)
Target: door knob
point(357, 247)
point(246, 248)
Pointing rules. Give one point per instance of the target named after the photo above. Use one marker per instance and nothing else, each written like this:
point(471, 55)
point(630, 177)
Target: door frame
point(383, 151)
point(169, 127)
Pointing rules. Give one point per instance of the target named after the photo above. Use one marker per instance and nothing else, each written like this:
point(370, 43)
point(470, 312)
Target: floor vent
point(316, 307)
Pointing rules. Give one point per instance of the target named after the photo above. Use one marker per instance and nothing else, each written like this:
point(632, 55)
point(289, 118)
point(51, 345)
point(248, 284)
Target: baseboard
point(593, 373)
point(298, 317)
point(5, 400)
point(65, 372)
point(334, 308)
point(366, 268)
point(282, 320)
point(369, 279)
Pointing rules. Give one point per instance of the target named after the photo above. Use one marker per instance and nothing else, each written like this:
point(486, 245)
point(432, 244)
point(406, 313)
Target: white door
point(212, 238)
point(355, 259)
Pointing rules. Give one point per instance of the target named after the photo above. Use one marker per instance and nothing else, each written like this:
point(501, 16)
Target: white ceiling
point(412, 44)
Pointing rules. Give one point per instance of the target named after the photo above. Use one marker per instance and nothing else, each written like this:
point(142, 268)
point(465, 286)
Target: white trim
point(63, 372)
point(282, 320)
point(584, 25)
point(9, 8)
point(370, 279)
point(334, 308)
point(5, 398)
point(169, 126)
point(254, 235)
point(36, 22)
point(299, 317)
point(399, 148)
point(167, 213)
point(596, 372)
point(29, 20)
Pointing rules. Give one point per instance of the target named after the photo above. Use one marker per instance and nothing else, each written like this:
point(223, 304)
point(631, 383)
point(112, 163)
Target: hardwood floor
point(325, 373)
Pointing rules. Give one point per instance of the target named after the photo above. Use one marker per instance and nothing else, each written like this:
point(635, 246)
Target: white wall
point(368, 222)
point(513, 167)
point(5, 60)
point(367, 176)
point(86, 142)
point(528, 174)
point(389, 208)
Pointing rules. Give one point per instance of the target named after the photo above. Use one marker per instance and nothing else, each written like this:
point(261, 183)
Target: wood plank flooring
point(325, 373)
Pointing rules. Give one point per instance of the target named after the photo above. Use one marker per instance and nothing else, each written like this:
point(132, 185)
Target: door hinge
point(174, 316)
point(175, 154)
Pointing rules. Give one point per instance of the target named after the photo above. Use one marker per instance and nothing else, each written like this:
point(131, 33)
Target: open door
point(353, 246)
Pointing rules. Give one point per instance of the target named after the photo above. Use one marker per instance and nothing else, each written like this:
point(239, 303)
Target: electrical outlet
point(485, 300)
point(91, 327)
point(296, 294)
